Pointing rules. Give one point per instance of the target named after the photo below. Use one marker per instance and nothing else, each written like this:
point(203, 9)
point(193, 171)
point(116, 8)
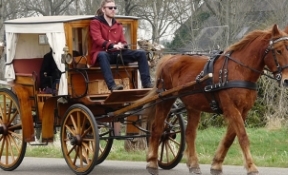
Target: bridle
point(278, 73)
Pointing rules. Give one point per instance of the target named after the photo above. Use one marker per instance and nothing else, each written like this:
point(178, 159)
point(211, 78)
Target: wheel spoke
point(174, 141)
point(87, 148)
point(10, 146)
point(85, 154)
point(76, 155)
point(14, 143)
point(71, 150)
point(17, 126)
point(162, 151)
point(167, 152)
point(78, 124)
point(171, 149)
point(3, 116)
point(13, 117)
point(70, 129)
point(9, 111)
point(83, 125)
point(7, 150)
point(86, 131)
point(2, 146)
point(4, 109)
point(74, 124)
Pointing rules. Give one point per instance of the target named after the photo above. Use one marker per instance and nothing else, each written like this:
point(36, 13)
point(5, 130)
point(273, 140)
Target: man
point(107, 41)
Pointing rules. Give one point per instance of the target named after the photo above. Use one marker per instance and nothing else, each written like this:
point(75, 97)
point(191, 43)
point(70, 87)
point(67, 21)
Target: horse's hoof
point(253, 173)
point(216, 172)
point(152, 171)
point(195, 170)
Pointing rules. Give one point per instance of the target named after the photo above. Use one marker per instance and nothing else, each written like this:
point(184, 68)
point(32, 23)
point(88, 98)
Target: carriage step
point(38, 143)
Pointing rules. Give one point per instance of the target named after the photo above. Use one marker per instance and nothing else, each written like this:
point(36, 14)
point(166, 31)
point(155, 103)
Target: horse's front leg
point(160, 114)
point(235, 127)
point(193, 119)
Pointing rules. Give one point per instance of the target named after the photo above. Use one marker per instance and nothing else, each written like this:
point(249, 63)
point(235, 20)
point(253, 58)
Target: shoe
point(116, 87)
point(149, 85)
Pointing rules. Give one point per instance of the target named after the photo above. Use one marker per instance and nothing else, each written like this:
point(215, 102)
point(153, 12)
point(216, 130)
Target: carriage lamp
point(66, 57)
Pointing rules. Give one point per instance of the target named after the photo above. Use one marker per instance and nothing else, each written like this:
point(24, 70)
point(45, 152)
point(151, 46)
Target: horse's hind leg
point(193, 118)
point(224, 145)
point(161, 112)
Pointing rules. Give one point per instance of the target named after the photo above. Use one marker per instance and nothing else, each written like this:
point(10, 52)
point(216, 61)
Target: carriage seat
point(28, 67)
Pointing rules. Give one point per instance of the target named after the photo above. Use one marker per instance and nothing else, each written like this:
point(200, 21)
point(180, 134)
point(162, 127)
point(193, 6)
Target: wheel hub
point(75, 140)
point(168, 134)
point(3, 130)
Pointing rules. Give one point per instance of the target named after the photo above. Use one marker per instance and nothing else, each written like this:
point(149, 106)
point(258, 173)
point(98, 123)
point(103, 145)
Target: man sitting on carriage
point(108, 42)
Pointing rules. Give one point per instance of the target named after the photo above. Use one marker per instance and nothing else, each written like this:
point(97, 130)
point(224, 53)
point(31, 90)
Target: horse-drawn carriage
point(82, 103)
point(88, 115)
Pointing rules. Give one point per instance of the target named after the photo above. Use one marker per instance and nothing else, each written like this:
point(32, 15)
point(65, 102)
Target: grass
point(268, 147)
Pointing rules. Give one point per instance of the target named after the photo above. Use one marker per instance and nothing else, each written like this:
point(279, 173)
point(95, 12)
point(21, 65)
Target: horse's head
point(276, 55)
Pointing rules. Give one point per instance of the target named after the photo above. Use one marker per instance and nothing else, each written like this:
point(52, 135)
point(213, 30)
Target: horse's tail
point(158, 71)
point(149, 108)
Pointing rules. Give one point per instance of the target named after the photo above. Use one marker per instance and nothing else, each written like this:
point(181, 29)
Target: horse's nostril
point(285, 82)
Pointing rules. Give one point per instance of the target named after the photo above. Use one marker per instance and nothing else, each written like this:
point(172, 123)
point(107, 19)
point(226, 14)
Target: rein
point(254, 70)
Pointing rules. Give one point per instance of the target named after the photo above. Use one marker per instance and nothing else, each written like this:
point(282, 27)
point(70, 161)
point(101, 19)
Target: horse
point(231, 92)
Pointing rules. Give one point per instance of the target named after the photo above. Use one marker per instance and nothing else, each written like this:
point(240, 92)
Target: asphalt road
point(48, 166)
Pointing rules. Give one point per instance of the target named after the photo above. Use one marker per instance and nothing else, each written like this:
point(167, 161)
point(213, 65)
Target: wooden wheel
point(172, 143)
point(80, 139)
point(105, 141)
point(12, 144)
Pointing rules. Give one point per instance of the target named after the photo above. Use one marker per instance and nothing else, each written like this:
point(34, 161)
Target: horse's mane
point(160, 63)
point(249, 38)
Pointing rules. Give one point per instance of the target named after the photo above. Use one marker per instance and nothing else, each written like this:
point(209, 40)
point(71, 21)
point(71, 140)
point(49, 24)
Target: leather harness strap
point(222, 83)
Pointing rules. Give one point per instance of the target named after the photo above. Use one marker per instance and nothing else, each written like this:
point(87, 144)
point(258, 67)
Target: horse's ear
point(275, 30)
point(286, 29)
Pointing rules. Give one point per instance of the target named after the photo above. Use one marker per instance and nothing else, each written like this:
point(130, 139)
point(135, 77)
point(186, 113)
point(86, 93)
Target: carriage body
point(82, 101)
point(35, 36)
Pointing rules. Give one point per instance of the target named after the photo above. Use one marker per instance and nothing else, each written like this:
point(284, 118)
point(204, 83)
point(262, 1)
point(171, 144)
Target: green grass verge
point(268, 148)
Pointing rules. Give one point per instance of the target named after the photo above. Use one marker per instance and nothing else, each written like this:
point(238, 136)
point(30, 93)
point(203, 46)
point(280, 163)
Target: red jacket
point(103, 36)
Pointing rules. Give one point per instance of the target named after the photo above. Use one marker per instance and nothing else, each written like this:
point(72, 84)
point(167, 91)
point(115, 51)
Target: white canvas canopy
point(18, 48)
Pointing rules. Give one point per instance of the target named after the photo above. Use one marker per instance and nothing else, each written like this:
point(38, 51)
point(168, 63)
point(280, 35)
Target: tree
point(47, 7)
point(157, 14)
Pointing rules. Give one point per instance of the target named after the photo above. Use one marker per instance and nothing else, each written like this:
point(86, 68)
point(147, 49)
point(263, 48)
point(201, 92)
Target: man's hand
point(118, 46)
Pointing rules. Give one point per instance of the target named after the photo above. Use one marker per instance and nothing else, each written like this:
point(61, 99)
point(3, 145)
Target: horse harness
point(223, 82)
point(211, 87)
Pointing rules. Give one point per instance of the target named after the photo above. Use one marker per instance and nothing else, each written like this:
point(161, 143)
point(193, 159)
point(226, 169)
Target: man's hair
point(102, 4)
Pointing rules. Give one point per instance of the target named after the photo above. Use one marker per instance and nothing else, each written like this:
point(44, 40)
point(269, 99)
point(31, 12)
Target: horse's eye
point(278, 52)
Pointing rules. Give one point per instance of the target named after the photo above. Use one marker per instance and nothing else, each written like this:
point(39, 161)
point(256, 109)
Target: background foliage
point(185, 26)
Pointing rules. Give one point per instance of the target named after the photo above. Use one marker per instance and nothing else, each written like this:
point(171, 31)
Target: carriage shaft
point(157, 96)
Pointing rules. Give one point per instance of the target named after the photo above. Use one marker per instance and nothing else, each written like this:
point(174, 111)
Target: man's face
point(109, 10)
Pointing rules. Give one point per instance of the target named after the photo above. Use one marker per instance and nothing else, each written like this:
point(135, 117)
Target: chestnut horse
point(231, 92)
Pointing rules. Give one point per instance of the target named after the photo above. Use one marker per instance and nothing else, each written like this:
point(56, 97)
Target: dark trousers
point(106, 58)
